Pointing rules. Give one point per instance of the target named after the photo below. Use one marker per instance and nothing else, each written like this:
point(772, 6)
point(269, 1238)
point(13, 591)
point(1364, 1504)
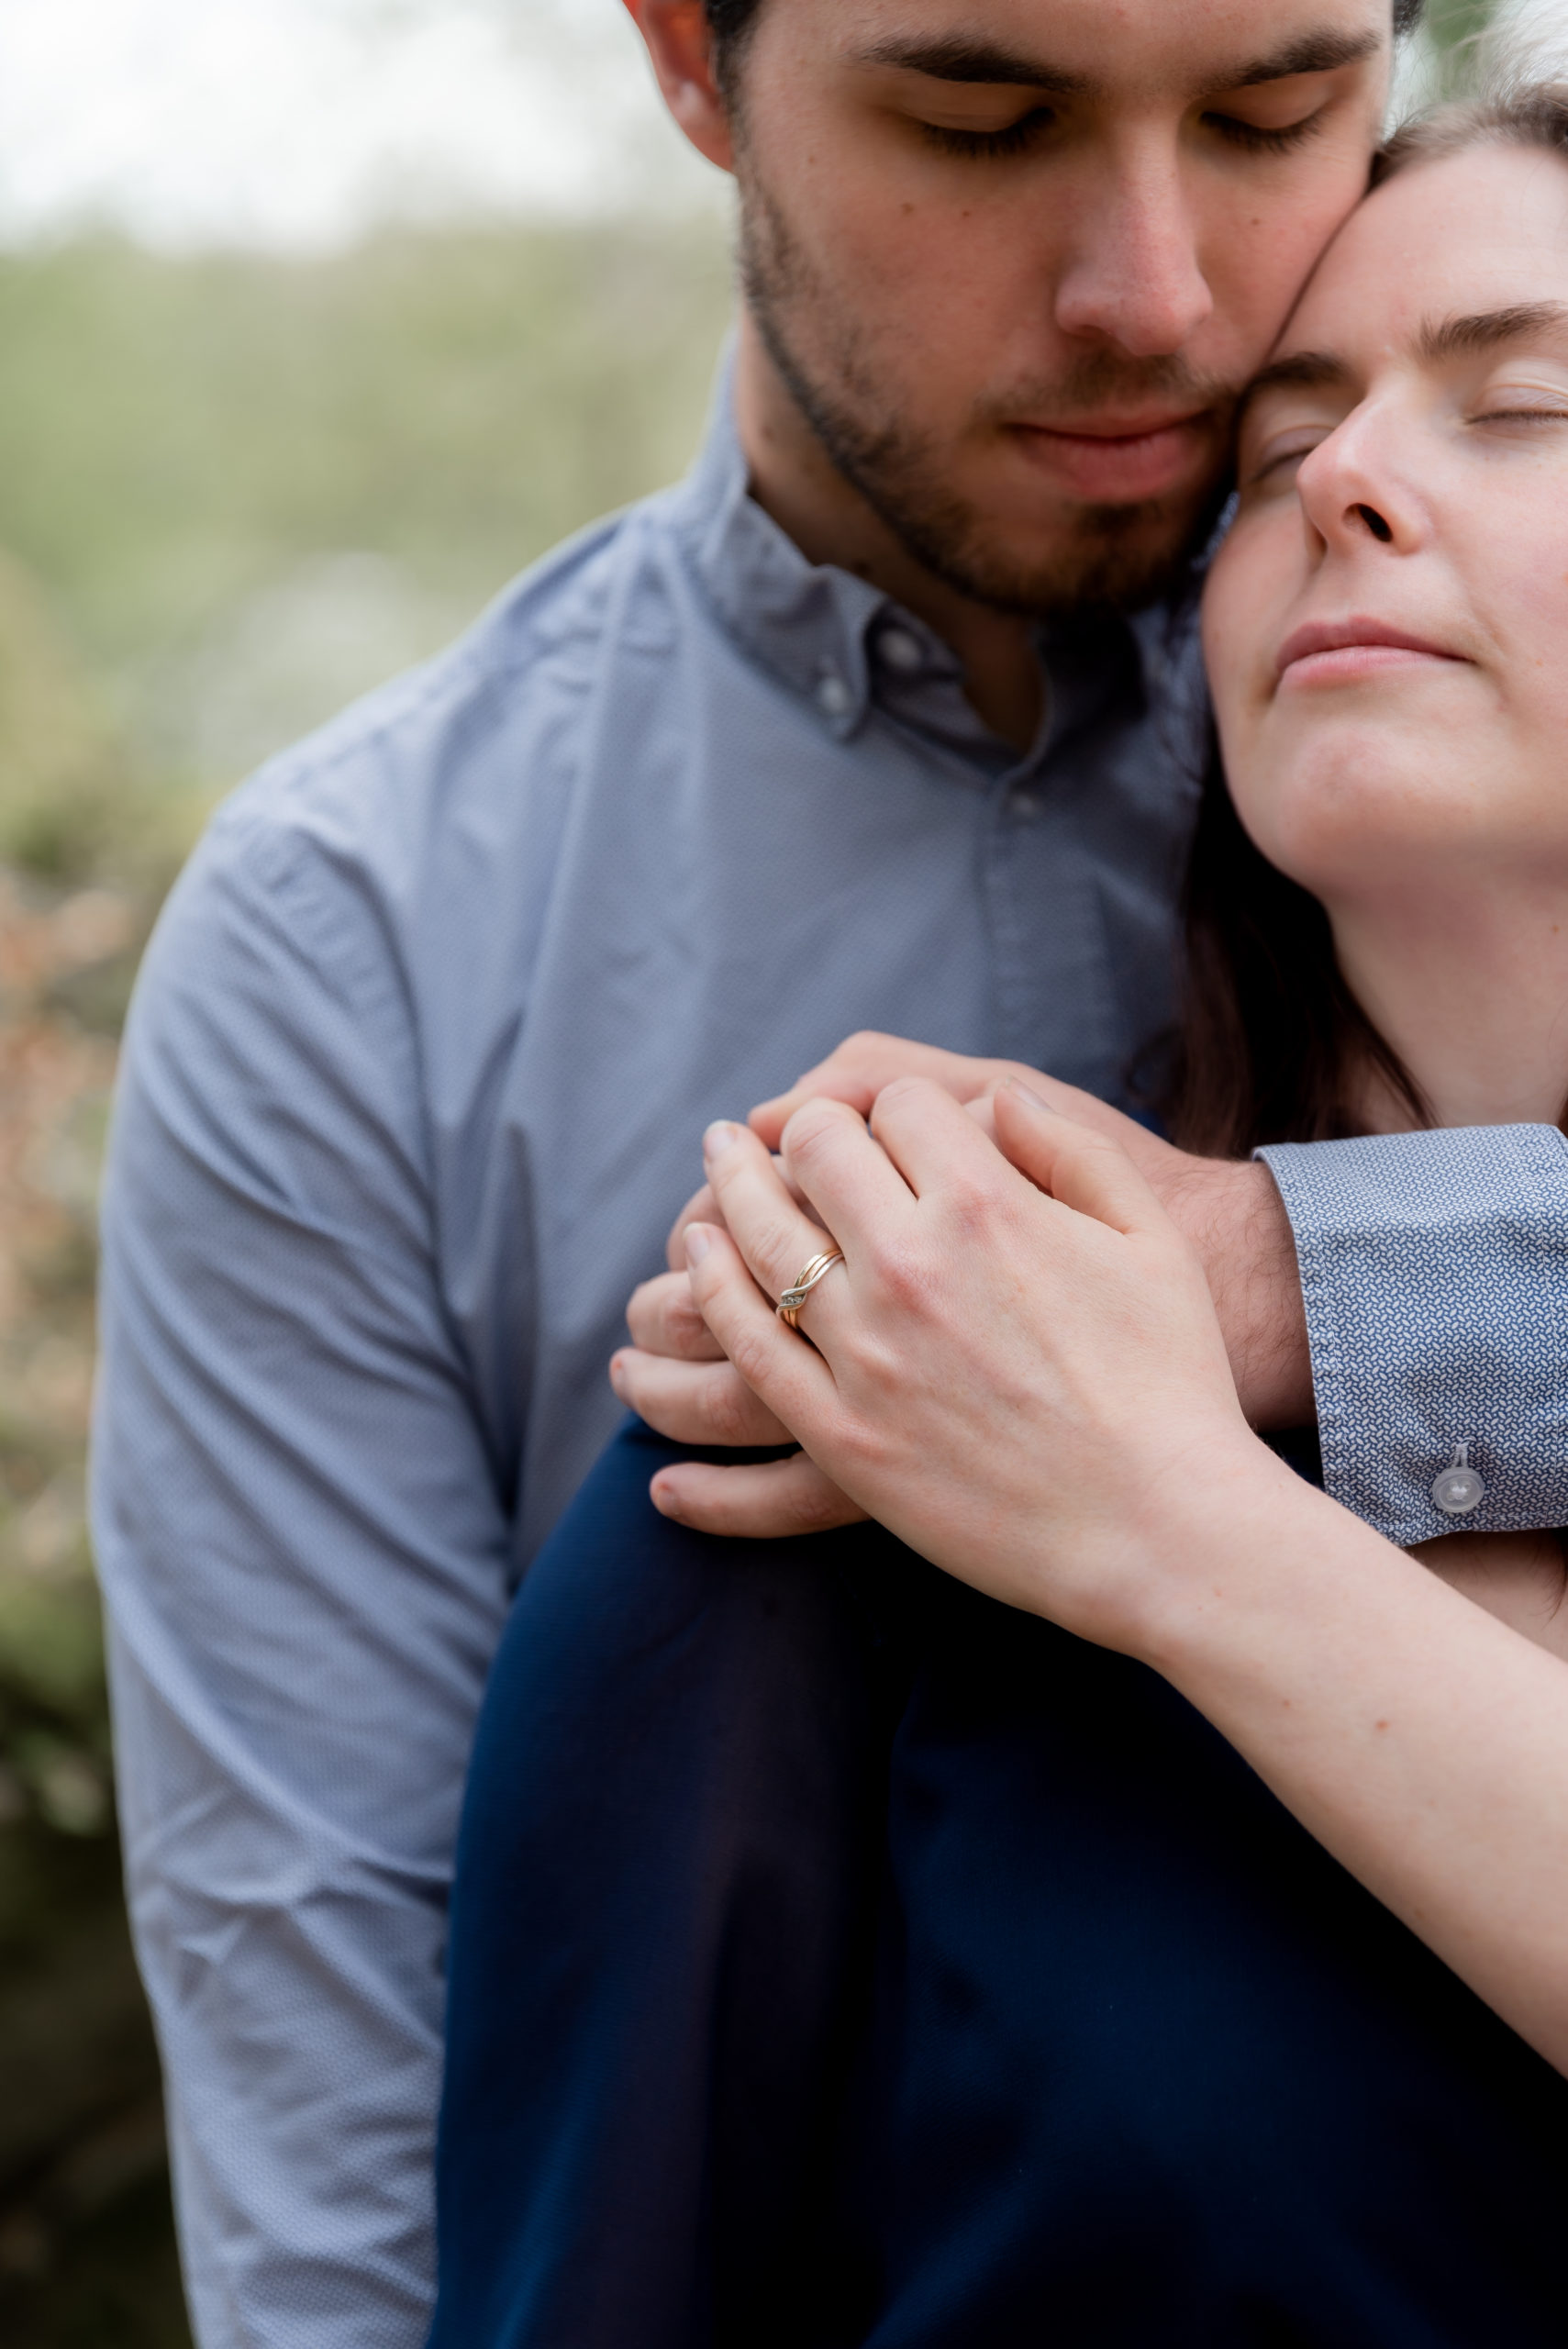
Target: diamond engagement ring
point(806, 1280)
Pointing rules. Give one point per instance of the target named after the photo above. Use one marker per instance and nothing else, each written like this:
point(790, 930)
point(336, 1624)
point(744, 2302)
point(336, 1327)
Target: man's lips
point(1323, 652)
point(1114, 459)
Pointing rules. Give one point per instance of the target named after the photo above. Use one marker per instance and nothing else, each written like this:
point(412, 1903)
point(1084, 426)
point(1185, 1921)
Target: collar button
point(900, 650)
point(834, 699)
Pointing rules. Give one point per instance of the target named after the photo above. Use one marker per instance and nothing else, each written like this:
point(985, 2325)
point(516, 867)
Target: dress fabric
point(840, 1958)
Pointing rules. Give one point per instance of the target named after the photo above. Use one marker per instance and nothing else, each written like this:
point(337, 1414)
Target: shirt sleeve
point(304, 1561)
point(1434, 1268)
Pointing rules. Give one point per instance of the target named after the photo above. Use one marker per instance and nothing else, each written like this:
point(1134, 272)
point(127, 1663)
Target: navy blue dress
point(839, 1957)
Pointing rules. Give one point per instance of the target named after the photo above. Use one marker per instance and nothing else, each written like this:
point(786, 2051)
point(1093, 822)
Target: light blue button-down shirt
point(412, 1087)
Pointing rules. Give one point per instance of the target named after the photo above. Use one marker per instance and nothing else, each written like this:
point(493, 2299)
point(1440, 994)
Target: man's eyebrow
point(1323, 52)
point(958, 60)
point(955, 58)
point(1482, 330)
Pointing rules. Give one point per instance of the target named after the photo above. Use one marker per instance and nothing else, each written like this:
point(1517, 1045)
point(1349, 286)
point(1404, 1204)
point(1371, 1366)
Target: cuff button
point(1457, 1488)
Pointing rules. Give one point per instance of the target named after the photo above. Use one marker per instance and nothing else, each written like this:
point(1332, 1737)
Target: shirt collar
point(838, 643)
point(804, 621)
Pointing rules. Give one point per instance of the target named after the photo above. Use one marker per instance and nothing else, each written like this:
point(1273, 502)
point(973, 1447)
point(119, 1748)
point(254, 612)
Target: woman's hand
point(1029, 1385)
point(1232, 1213)
point(675, 1375)
point(1020, 1372)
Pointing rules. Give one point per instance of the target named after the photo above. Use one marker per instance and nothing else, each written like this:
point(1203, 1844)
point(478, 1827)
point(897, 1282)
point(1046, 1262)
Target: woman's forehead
point(1460, 236)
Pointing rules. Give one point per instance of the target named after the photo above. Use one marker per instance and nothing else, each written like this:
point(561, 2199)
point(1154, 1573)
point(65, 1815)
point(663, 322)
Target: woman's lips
point(1342, 653)
point(1115, 463)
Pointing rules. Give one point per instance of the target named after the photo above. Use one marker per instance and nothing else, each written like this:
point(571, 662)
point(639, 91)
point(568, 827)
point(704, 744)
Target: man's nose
point(1134, 278)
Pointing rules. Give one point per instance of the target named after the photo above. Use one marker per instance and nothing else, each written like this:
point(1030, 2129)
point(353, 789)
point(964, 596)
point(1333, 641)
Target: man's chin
point(1123, 557)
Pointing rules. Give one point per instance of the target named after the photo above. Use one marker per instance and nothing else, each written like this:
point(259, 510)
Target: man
point(846, 731)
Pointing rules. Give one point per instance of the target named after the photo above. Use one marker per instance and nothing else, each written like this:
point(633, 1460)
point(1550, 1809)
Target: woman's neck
point(1470, 987)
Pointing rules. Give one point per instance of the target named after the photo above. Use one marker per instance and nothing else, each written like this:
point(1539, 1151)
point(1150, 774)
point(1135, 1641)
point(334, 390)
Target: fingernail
point(720, 1136)
point(699, 1240)
point(1024, 1094)
point(616, 1373)
point(663, 1499)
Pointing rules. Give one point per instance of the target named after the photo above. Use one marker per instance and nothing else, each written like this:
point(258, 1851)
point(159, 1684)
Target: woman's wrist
point(1225, 1541)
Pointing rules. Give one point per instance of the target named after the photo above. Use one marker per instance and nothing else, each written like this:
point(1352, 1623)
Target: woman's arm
point(1028, 1384)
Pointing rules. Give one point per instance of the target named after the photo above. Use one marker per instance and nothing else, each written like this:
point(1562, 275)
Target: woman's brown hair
point(1272, 1042)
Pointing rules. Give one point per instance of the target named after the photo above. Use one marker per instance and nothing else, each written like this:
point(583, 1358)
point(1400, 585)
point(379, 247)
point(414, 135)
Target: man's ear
point(679, 42)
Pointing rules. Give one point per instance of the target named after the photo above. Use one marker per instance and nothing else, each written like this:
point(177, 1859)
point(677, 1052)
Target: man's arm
point(1408, 1291)
point(304, 1561)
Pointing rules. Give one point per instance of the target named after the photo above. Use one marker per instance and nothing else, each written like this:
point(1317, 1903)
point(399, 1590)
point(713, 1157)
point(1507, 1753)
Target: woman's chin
point(1357, 792)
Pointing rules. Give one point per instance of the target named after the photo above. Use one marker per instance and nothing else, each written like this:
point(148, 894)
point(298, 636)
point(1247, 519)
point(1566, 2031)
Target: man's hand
point(1232, 1213)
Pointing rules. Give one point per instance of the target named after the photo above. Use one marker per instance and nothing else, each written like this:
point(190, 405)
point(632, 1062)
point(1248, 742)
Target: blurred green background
point(236, 489)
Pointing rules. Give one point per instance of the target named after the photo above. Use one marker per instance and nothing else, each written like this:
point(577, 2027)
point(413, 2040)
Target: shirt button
point(900, 650)
point(1457, 1488)
point(1026, 806)
point(833, 695)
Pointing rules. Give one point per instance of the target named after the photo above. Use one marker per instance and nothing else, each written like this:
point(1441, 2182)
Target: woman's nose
point(1353, 489)
point(1135, 278)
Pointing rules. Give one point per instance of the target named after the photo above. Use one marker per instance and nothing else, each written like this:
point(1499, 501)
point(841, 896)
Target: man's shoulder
point(421, 826)
point(485, 723)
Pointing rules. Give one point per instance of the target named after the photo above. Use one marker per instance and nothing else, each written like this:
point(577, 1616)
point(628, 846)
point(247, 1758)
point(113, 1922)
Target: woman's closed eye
point(1272, 462)
point(1526, 401)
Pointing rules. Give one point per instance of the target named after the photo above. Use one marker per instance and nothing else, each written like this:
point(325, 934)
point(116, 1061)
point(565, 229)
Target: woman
point(1189, 1963)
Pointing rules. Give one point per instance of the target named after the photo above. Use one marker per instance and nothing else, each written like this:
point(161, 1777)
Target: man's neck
point(1471, 989)
point(795, 482)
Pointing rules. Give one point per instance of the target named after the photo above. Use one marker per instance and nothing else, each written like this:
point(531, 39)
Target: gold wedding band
point(806, 1280)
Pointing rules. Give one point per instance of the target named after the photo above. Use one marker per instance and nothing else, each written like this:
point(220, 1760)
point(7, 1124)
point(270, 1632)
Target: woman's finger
point(776, 1238)
point(760, 1501)
point(777, 1364)
point(701, 1207)
point(1084, 1169)
point(856, 1073)
point(693, 1402)
point(847, 1175)
point(662, 1318)
point(931, 1140)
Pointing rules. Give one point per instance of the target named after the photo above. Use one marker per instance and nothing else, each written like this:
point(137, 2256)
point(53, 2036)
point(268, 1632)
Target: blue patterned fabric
point(1435, 1272)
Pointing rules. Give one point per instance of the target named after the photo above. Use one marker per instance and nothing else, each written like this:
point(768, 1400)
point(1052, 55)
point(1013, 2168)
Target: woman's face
point(1386, 626)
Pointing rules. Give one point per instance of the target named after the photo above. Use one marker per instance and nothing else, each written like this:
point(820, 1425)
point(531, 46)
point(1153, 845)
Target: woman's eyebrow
point(1483, 330)
point(1301, 369)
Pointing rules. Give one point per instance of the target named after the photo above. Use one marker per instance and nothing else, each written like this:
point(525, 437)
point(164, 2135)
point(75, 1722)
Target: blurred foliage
point(178, 438)
point(233, 491)
point(1453, 32)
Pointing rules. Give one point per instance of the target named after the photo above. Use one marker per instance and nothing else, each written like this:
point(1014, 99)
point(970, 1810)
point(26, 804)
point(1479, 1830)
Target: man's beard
point(1121, 554)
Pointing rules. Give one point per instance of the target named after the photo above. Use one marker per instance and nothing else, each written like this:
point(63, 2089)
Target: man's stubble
point(1120, 555)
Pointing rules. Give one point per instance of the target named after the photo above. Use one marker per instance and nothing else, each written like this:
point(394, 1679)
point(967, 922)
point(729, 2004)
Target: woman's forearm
point(1420, 1741)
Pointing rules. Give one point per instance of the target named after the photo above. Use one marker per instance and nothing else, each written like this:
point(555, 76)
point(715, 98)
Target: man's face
point(1015, 258)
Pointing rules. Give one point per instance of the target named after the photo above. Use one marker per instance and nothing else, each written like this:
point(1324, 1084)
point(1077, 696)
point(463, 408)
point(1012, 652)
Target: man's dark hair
point(731, 21)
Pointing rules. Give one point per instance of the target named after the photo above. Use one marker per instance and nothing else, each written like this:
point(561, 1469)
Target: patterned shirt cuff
point(1434, 1268)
